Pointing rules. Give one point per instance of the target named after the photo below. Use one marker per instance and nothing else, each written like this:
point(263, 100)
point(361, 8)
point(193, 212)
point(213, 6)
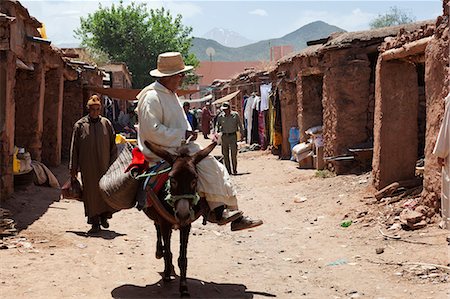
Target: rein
point(171, 199)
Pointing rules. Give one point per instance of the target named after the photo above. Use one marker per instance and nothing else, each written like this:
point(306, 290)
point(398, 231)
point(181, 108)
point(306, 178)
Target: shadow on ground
point(197, 289)
point(28, 204)
point(104, 234)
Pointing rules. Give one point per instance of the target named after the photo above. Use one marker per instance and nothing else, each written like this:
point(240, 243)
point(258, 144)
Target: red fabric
point(138, 160)
point(161, 181)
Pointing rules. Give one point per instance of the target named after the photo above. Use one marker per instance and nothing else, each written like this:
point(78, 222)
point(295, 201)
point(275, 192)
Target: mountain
point(261, 50)
point(227, 37)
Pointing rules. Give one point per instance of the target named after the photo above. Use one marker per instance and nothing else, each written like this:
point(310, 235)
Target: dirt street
point(301, 251)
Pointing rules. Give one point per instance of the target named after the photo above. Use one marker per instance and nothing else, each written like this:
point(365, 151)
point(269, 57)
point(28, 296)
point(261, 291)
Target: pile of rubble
point(403, 204)
point(7, 224)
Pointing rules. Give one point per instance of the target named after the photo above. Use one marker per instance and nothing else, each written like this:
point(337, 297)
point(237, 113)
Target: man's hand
point(193, 134)
point(440, 161)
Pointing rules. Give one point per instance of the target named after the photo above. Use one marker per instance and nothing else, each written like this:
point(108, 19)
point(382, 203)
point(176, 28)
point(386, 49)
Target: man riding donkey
point(163, 122)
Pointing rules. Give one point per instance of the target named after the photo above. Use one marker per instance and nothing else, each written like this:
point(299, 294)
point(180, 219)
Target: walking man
point(93, 150)
point(442, 151)
point(163, 122)
point(206, 120)
point(229, 123)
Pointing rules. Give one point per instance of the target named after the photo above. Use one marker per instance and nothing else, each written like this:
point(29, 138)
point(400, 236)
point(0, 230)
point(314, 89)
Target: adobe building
point(76, 94)
point(32, 83)
point(284, 86)
point(32, 80)
point(119, 77)
point(412, 81)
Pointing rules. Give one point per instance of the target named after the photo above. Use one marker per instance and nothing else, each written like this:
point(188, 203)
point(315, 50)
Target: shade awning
point(130, 94)
point(204, 99)
point(117, 93)
point(226, 98)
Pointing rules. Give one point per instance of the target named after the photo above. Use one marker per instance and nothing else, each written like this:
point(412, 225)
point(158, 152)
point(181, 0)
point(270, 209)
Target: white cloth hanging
point(265, 89)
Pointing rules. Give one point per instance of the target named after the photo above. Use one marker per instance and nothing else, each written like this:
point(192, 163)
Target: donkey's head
point(183, 178)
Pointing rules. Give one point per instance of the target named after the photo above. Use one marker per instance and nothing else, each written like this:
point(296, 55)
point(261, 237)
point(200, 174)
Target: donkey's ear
point(160, 152)
point(200, 155)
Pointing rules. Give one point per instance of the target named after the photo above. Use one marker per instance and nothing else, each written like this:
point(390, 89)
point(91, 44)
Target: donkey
point(187, 207)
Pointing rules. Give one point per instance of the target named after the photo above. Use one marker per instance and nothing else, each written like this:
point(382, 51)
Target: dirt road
point(301, 251)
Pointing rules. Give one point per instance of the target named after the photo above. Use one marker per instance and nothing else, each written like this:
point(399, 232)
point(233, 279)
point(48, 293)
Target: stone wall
point(437, 74)
point(51, 140)
point(29, 96)
point(73, 110)
point(346, 98)
point(7, 107)
point(396, 128)
point(310, 109)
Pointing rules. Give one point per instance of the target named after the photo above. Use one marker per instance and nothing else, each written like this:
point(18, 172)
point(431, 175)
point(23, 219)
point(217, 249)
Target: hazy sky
point(255, 20)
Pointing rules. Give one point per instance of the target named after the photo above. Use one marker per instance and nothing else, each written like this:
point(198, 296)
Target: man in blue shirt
point(190, 116)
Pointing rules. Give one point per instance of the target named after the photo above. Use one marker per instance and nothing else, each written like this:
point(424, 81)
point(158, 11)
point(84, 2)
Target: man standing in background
point(442, 151)
point(190, 116)
point(229, 123)
point(206, 120)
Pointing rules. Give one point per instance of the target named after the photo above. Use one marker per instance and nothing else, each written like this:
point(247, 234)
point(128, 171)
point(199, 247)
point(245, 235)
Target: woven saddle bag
point(119, 188)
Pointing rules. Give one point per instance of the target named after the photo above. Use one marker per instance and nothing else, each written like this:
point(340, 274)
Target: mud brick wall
point(437, 74)
point(395, 131)
point(7, 114)
point(51, 141)
point(310, 109)
point(346, 96)
point(288, 100)
point(72, 111)
point(29, 94)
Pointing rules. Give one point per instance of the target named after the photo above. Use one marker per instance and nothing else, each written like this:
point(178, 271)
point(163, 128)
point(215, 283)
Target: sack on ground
point(72, 189)
point(119, 188)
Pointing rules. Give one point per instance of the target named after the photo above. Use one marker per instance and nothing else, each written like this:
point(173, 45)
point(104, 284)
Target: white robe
point(442, 150)
point(248, 115)
point(162, 121)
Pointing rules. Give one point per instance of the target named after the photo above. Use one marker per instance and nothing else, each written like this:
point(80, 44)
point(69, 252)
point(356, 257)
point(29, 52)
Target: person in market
point(163, 122)
point(92, 151)
point(228, 125)
point(207, 116)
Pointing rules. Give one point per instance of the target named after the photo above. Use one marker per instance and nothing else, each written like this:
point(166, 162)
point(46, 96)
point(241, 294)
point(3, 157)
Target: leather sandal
point(227, 217)
point(244, 222)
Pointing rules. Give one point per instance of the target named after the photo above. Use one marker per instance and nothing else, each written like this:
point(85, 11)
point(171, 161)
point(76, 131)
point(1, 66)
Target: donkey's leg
point(169, 271)
point(159, 246)
point(182, 259)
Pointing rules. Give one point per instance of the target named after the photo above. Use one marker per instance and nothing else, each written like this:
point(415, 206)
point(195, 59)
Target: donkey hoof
point(159, 254)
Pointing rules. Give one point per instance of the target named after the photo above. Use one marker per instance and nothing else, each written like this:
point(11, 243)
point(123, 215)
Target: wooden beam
point(409, 49)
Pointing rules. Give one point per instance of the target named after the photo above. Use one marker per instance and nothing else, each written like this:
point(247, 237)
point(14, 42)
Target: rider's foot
point(227, 217)
point(244, 222)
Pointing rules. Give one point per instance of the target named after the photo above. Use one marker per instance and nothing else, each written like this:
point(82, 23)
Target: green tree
point(395, 16)
point(135, 35)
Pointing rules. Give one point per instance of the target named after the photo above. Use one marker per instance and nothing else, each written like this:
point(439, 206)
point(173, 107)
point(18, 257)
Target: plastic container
point(294, 138)
point(16, 162)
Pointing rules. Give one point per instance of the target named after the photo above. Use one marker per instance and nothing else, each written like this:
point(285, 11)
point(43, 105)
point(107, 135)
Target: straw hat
point(169, 64)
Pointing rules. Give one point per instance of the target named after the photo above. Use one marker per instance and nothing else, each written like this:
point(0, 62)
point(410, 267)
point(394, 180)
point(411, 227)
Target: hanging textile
point(248, 115)
point(265, 89)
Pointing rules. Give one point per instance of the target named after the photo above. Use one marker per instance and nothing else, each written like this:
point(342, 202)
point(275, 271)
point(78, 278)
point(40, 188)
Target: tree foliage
point(395, 16)
point(136, 35)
